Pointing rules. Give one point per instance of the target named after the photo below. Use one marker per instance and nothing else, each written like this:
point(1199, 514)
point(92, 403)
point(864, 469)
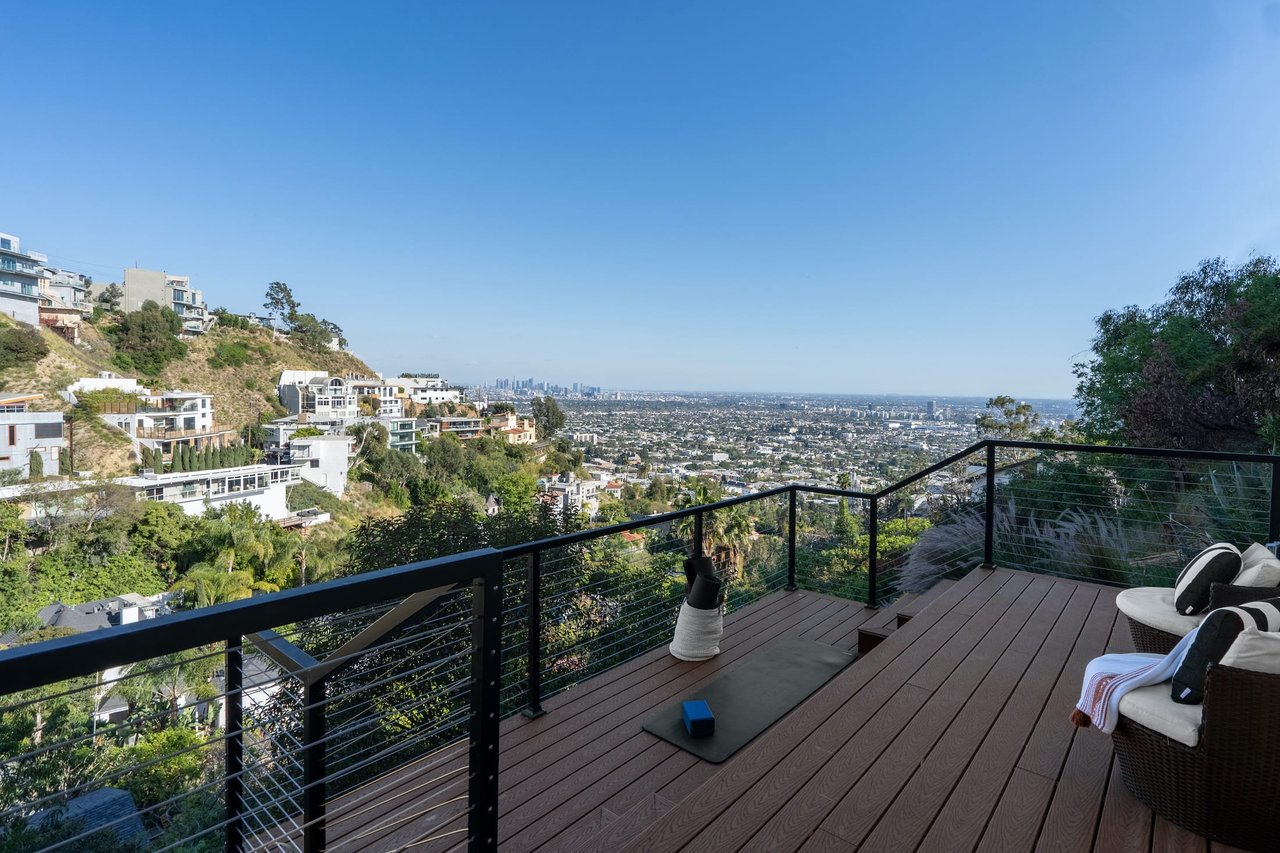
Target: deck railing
point(286, 704)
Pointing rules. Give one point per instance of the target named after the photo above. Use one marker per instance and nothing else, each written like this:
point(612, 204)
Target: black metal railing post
point(533, 609)
point(697, 534)
point(313, 765)
point(486, 695)
point(791, 540)
point(234, 697)
point(1273, 526)
point(989, 516)
point(873, 523)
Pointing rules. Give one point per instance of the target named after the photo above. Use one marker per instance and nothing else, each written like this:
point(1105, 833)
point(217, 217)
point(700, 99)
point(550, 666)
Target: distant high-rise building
point(931, 407)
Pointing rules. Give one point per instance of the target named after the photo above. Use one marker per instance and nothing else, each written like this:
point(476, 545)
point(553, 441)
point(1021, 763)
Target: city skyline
point(752, 200)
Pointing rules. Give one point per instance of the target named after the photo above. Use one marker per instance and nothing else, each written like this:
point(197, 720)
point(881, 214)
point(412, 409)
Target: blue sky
point(838, 197)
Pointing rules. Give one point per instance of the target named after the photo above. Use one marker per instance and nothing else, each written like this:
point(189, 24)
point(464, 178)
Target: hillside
point(241, 392)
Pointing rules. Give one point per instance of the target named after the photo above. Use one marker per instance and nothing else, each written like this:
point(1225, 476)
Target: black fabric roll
point(705, 594)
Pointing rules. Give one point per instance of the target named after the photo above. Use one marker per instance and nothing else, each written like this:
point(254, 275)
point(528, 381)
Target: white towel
point(1108, 678)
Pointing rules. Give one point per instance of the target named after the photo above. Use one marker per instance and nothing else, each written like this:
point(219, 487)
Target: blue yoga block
point(698, 719)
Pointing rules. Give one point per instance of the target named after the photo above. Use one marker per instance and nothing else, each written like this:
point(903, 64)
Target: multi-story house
point(402, 433)
point(21, 280)
point(463, 428)
point(23, 432)
point(160, 421)
point(69, 289)
point(262, 486)
point(572, 495)
point(389, 400)
point(168, 291)
point(318, 396)
point(512, 428)
point(323, 460)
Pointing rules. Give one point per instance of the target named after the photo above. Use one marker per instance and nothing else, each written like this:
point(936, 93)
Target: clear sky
point(842, 197)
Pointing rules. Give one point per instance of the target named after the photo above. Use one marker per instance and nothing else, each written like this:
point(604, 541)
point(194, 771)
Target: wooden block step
point(869, 638)
point(918, 603)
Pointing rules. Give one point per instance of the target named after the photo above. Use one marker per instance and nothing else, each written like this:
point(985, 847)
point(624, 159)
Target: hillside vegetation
point(243, 382)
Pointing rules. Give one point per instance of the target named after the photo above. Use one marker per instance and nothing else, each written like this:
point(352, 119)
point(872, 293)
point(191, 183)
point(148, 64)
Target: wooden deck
point(951, 735)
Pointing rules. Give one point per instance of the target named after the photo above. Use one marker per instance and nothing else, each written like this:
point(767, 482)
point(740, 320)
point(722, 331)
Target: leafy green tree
point(146, 340)
point(161, 766)
point(548, 416)
point(1007, 418)
point(35, 463)
point(280, 303)
point(1198, 370)
point(309, 333)
point(161, 536)
point(111, 297)
point(13, 530)
point(515, 489)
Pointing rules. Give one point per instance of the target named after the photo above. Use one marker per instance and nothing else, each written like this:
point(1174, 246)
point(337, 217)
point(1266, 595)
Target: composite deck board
point(856, 814)
point(959, 809)
point(951, 735)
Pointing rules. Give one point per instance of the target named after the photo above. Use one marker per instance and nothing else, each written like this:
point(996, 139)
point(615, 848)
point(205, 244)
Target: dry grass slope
point(240, 393)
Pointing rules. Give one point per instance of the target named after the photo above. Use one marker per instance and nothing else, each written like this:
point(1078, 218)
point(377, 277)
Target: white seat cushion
point(1152, 707)
point(1153, 606)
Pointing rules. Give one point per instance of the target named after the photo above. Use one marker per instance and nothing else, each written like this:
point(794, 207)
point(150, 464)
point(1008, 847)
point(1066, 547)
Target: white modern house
point(263, 486)
point(323, 460)
point(159, 421)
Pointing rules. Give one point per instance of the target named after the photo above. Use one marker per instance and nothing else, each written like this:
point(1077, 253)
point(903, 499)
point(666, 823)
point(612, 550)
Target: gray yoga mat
point(752, 697)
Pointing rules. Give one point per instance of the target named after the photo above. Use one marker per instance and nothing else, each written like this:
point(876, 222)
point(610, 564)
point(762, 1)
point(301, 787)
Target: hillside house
point(23, 432)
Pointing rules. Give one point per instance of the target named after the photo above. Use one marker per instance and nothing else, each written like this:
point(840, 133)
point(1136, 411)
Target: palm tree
point(726, 533)
point(205, 586)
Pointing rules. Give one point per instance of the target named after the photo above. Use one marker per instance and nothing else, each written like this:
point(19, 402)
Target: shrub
point(20, 347)
point(230, 354)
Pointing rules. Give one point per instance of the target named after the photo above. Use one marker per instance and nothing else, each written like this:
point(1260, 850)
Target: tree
point(206, 586)
point(548, 416)
point(309, 333)
point(502, 408)
point(36, 464)
point(13, 530)
point(1198, 370)
point(1007, 418)
point(110, 297)
point(335, 333)
point(146, 339)
point(161, 535)
point(280, 302)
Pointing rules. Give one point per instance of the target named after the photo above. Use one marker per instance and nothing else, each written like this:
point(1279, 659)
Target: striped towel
point(1108, 678)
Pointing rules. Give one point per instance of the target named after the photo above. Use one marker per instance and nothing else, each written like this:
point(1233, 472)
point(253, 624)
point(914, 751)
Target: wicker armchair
point(1154, 640)
point(1225, 787)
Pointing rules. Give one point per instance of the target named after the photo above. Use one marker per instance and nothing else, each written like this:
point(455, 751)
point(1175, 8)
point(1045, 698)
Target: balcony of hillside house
point(522, 697)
